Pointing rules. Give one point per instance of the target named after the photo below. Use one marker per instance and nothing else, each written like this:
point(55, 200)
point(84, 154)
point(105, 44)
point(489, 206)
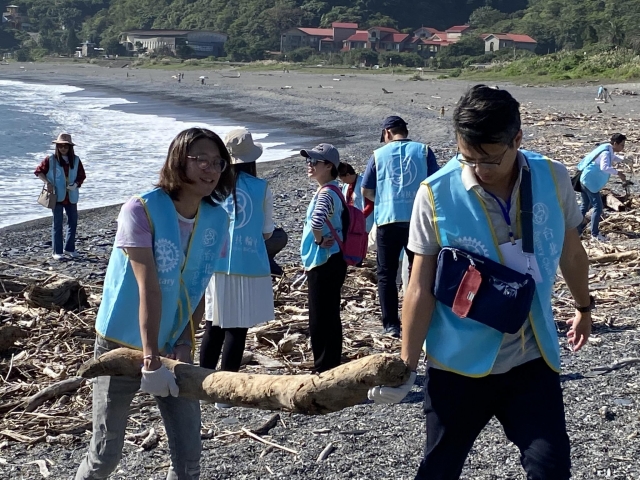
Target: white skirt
point(237, 301)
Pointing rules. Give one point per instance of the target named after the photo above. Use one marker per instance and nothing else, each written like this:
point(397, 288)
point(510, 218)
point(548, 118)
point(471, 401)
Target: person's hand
point(73, 186)
point(327, 242)
point(579, 330)
point(50, 187)
point(182, 353)
point(382, 394)
point(159, 382)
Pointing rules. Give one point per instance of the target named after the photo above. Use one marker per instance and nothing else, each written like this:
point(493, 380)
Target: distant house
point(203, 43)
point(13, 19)
point(453, 34)
point(320, 39)
point(497, 41)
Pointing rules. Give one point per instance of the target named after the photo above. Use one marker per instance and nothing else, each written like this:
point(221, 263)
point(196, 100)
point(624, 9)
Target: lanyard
point(505, 209)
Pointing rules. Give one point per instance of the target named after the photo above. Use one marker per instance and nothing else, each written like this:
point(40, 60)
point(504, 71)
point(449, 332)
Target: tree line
point(254, 26)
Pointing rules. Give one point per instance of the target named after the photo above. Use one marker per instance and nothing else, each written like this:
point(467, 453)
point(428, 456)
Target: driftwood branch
point(339, 388)
point(53, 391)
point(614, 257)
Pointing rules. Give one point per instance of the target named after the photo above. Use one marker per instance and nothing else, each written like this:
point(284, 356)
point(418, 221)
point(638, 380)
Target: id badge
point(517, 260)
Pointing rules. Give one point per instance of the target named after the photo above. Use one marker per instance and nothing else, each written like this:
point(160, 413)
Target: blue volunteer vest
point(400, 167)
point(312, 255)
point(246, 253)
point(61, 180)
point(358, 200)
point(592, 176)
point(465, 346)
point(182, 285)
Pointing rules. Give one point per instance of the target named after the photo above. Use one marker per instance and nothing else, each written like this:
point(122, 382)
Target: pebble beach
point(346, 109)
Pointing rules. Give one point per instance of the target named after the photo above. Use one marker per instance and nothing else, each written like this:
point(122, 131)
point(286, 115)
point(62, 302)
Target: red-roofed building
point(496, 41)
point(320, 39)
point(455, 33)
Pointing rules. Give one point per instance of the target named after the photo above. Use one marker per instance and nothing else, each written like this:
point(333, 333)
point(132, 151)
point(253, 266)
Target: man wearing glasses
point(391, 181)
point(475, 372)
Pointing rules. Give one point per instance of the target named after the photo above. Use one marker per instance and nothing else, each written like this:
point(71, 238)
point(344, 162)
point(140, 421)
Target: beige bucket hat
point(241, 146)
point(64, 138)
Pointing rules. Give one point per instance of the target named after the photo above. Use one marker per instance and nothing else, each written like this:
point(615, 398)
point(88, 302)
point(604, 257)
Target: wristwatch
point(184, 342)
point(318, 243)
point(588, 308)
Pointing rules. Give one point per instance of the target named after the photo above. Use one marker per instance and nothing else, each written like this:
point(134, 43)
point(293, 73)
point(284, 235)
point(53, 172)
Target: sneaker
point(58, 256)
point(74, 254)
point(393, 331)
point(600, 238)
point(222, 406)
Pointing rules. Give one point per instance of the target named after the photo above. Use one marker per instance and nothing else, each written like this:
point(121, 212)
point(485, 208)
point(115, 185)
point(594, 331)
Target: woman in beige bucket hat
point(240, 294)
point(65, 178)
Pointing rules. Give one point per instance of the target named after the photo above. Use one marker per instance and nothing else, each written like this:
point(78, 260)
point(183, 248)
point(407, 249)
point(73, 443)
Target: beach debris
point(9, 334)
point(65, 293)
point(330, 391)
point(385, 90)
point(42, 467)
point(268, 425)
point(325, 452)
point(151, 440)
point(325, 86)
point(53, 391)
point(286, 87)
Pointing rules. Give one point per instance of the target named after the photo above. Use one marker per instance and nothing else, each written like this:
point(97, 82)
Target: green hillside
point(254, 26)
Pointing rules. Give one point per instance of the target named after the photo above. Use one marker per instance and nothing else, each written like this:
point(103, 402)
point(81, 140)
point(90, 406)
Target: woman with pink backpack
point(325, 265)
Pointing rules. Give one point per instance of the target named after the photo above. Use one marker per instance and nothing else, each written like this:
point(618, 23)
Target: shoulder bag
point(486, 291)
point(46, 198)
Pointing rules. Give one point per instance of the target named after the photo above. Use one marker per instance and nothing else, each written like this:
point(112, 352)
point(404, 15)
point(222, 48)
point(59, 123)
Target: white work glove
point(73, 186)
point(382, 394)
point(160, 382)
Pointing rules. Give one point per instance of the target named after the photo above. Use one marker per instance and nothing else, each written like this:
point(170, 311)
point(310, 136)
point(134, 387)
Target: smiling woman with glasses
point(167, 243)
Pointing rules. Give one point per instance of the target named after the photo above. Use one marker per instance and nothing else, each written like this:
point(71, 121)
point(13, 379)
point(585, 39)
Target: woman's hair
point(174, 171)
point(71, 155)
point(334, 171)
point(618, 138)
point(236, 169)
point(345, 169)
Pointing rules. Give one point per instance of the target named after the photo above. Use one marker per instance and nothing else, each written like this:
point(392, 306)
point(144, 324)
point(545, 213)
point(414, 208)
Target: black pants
point(325, 325)
point(275, 243)
point(391, 239)
point(527, 401)
point(214, 338)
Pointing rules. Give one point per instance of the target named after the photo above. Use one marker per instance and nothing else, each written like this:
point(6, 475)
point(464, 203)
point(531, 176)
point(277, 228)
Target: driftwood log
point(8, 335)
point(339, 388)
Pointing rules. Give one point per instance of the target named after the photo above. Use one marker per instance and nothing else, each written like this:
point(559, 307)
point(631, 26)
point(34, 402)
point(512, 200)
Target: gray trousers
point(112, 397)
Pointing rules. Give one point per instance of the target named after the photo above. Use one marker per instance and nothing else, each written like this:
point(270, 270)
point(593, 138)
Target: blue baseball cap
point(324, 152)
point(391, 122)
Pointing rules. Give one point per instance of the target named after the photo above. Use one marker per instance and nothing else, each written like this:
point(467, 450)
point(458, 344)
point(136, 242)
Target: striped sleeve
point(322, 211)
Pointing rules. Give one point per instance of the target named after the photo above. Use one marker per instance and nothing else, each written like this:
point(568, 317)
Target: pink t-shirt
point(134, 229)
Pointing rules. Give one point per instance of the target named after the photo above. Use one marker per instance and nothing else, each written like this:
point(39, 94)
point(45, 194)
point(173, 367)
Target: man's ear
point(518, 140)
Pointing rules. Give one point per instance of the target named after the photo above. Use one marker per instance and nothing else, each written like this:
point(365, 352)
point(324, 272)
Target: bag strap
point(526, 210)
point(344, 206)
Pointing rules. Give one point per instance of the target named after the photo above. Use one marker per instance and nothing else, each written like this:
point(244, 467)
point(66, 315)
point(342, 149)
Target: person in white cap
point(240, 293)
point(65, 178)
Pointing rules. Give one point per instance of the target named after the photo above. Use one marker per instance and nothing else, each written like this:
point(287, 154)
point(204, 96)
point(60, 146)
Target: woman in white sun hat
point(240, 293)
point(63, 174)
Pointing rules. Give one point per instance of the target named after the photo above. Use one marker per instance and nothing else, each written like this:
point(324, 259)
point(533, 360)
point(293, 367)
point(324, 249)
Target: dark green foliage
point(254, 26)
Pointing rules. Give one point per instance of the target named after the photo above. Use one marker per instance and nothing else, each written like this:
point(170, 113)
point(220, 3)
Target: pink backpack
point(354, 247)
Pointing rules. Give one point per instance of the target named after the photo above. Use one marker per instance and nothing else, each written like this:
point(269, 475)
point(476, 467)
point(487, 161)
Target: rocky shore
point(371, 442)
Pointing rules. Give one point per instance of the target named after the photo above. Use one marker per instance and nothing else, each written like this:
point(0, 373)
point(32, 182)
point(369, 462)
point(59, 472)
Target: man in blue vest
point(596, 169)
point(391, 180)
point(475, 372)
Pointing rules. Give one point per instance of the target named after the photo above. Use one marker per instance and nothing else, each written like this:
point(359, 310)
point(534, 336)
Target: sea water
point(122, 142)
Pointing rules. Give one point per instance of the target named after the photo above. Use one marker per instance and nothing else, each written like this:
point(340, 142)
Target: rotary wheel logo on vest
point(472, 245)
point(167, 255)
